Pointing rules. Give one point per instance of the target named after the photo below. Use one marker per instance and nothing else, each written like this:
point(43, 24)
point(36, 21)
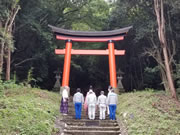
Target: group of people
point(90, 103)
point(108, 102)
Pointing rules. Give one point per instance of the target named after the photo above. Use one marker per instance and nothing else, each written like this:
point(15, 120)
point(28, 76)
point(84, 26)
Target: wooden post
point(67, 63)
point(112, 65)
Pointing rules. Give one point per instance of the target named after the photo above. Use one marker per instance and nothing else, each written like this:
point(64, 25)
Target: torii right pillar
point(112, 66)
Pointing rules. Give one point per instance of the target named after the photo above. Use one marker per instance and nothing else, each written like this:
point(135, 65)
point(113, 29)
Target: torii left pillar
point(67, 63)
point(112, 64)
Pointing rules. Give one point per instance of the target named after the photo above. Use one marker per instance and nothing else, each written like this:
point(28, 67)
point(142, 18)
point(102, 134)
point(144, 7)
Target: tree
point(8, 13)
point(144, 40)
point(159, 10)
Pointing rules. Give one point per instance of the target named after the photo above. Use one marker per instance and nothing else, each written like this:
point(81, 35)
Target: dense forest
point(152, 45)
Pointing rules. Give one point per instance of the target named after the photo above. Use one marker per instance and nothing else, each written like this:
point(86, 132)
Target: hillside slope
point(25, 111)
point(33, 112)
point(149, 113)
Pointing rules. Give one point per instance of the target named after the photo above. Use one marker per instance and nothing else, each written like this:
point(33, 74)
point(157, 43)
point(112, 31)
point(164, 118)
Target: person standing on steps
point(78, 100)
point(112, 101)
point(64, 100)
point(102, 106)
point(109, 91)
point(85, 102)
point(91, 102)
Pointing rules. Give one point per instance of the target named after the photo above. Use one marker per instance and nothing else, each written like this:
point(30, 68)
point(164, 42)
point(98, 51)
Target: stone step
point(87, 132)
point(85, 117)
point(91, 121)
point(90, 128)
point(72, 106)
point(87, 120)
point(82, 114)
point(73, 110)
point(84, 126)
point(100, 124)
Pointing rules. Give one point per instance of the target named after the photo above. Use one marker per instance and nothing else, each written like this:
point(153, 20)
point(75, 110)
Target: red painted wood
point(67, 64)
point(112, 65)
point(90, 52)
point(90, 39)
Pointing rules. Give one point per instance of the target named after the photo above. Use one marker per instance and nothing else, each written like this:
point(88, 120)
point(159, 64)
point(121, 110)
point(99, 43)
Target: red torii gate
point(89, 36)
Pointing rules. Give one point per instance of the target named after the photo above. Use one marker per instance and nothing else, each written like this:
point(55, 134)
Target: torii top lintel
point(90, 36)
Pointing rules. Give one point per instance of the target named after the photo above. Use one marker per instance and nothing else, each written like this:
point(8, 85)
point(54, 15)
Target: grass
point(149, 113)
point(25, 111)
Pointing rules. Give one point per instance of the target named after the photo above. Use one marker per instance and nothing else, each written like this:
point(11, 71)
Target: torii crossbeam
point(89, 36)
point(90, 52)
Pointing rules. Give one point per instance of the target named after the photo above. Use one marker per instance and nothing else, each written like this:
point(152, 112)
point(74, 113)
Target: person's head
point(112, 90)
point(90, 91)
point(78, 90)
point(102, 92)
point(90, 87)
point(66, 87)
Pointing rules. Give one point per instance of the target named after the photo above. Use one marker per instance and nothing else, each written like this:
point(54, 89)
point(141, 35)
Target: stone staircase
point(88, 127)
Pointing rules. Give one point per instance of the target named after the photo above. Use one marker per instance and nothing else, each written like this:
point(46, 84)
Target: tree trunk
point(9, 30)
point(163, 71)
point(1, 58)
point(159, 10)
point(8, 64)
point(168, 74)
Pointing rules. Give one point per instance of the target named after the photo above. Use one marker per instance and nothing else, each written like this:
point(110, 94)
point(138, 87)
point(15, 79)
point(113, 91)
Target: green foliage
point(140, 14)
point(6, 12)
point(30, 78)
point(80, 26)
point(26, 111)
point(35, 43)
point(149, 113)
point(93, 16)
point(5, 85)
point(1, 89)
point(152, 77)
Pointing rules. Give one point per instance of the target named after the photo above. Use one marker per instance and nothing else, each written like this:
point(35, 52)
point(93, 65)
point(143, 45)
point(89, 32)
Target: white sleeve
point(82, 99)
point(107, 100)
point(95, 99)
point(98, 101)
point(74, 99)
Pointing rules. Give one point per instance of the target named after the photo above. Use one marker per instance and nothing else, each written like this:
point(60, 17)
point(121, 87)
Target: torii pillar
point(67, 63)
point(112, 65)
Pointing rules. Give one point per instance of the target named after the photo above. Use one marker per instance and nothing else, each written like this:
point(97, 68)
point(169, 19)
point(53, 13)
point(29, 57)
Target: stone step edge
point(88, 120)
point(92, 131)
point(112, 125)
point(83, 123)
point(93, 127)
